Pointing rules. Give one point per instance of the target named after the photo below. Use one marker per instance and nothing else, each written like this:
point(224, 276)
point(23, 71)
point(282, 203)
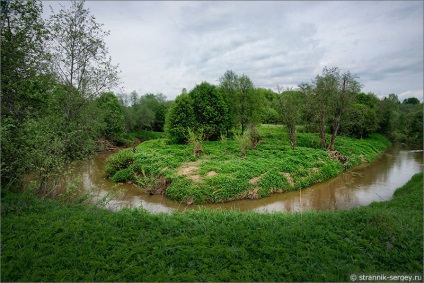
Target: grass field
point(221, 174)
point(51, 241)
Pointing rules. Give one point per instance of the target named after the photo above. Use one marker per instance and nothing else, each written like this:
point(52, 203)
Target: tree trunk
point(322, 134)
point(293, 138)
point(333, 136)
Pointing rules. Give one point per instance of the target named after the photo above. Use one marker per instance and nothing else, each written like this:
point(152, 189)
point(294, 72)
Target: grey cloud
point(165, 46)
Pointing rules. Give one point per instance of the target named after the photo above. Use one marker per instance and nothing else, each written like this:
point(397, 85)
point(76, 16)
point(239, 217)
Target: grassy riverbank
point(50, 241)
point(221, 174)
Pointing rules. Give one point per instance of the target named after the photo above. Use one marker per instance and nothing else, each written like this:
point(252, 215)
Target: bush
point(123, 175)
point(118, 161)
point(243, 142)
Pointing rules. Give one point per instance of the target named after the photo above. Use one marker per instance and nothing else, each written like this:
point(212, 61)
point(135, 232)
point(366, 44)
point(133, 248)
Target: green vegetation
point(229, 169)
point(50, 241)
point(55, 104)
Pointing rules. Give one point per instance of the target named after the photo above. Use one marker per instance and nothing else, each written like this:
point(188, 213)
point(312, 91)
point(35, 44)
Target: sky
point(165, 46)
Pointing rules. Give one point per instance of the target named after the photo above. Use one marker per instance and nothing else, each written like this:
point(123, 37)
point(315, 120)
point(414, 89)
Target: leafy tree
point(269, 113)
point(347, 88)
point(229, 87)
point(249, 104)
point(291, 105)
point(209, 109)
point(145, 112)
point(79, 52)
point(329, 97)
point(180, 118)
point(111, 116)
point(361, 121)
point(244, 103)
point(389, 113)
point(25, 79)
point(411, 100)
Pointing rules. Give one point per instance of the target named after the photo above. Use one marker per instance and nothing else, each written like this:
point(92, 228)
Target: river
point(359, 186)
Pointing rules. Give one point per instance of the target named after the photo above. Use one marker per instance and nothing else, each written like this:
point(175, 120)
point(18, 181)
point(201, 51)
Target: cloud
point(165, 46)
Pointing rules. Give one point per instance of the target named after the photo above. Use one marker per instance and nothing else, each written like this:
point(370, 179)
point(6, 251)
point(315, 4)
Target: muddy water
point(356, 187)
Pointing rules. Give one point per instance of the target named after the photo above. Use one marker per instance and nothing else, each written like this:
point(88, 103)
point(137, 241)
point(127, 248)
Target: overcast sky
point(163, 47)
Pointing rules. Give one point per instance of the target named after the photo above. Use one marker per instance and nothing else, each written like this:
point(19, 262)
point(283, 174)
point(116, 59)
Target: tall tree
point(347, 88)
point(229, 87)
point(291, 105)
point(81, 63)
point(79, 53)
point(25, 80)
point(244, 103)
point(210, 109)
point(249, 105)
point(111, 118)
point(330, 95)
point(180, 118)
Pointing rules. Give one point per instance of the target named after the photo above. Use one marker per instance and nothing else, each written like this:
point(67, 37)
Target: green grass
point(51, 241)
point(222, 174)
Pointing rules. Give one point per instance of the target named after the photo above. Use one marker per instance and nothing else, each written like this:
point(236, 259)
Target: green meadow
point(222, 174)
point(45, 240)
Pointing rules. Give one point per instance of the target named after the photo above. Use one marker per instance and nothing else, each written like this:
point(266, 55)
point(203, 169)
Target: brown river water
point(359, 186)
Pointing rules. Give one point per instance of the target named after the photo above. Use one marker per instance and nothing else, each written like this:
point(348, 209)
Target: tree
point(249, 104)
point(319, 94)
point(25, 80)
point(269, 113)
point(210, 109)
point(411, 100)
point(329, 97)
point(360, 121)
point(291, 108)
point(347, 88)
point(389, 114)
point(180, 118)
point(79, 52)
point(79, 59)
point(228, 85)
point(244, 103)
point(111, 116)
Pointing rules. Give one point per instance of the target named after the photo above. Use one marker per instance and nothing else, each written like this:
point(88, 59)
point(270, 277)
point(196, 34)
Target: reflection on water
point(357, 187)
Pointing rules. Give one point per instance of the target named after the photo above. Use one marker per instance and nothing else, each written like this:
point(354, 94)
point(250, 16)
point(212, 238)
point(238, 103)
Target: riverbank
point(221, 174)
point(45, 240)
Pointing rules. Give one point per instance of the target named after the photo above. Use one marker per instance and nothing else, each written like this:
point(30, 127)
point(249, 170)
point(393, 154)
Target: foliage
point(329, 98)
point(50, 241)
point(243, 141)
point(180, 118)
point(290, 110)
point(210, 110)
point(196, 139)
point(147, 112)
point(243, 101)
point(79, 52)
point(121, 160)
point(361, 121)
point(24, 78)
point(112, 117)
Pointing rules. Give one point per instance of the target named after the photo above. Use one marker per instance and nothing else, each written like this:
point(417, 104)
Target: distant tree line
point(332, 104)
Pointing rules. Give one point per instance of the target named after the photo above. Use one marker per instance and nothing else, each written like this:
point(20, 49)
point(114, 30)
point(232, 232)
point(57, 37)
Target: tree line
point(57, 105)
point(330, 105)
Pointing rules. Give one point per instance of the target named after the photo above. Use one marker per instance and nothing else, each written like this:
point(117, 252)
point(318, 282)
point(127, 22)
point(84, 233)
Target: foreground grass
point(221, 174)
point(50, 241)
